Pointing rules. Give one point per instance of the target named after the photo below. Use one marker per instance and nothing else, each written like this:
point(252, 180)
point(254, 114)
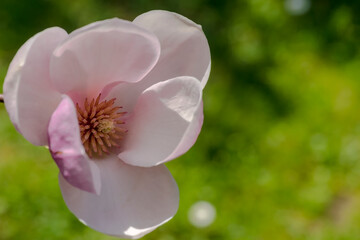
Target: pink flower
point(113, 101)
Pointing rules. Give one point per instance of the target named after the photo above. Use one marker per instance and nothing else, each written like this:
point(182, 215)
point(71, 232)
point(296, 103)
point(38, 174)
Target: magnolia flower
point(113, 101)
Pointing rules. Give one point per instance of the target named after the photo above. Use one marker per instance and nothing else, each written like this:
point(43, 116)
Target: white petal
point(165, 123)
point(184, 47)
point(102, 53)
point(133, 200)
point(184, 52)
point(29, 96)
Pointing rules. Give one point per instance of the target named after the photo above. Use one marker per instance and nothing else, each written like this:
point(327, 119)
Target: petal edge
point(67, 150)
point(133, 200)
point(29, 96)
point(160, 121)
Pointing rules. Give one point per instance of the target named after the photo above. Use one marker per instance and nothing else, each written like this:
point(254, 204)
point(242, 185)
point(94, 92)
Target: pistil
point(99, 124)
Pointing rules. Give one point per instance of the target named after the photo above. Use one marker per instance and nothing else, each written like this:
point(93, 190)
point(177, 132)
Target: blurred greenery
point(279, 153)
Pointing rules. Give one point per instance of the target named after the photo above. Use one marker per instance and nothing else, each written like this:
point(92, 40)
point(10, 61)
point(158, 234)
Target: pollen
point(100, 126)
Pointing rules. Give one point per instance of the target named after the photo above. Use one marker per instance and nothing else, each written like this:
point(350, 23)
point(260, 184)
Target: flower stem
point(1, 98)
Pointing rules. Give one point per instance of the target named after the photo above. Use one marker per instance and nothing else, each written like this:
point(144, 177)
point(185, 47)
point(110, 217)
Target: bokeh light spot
point(202, 214)
point(297, 7)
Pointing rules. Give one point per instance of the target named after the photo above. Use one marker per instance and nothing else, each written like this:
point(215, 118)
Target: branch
point(1, 98)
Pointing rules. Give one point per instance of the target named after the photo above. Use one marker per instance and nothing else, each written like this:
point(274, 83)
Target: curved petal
point(102, 53)
point(67, 150)
point(191, 134)
point(133, 200)
point(184, 47)
point(29, 96)
point(126, 94)
point(165, 123)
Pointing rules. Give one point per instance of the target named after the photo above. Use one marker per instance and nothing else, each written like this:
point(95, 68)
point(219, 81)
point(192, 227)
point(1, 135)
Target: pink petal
point(165, 123)
point(191, 134)
point(184, 52)
point(29, 96)
point(184, 47)
point(102, 53)
point(133, 200)
point(67, 150)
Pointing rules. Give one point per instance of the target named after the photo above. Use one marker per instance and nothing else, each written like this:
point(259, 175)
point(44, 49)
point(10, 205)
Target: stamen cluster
point(99, 126)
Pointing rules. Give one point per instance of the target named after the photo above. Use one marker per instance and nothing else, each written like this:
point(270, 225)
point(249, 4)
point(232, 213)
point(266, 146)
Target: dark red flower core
point(100, 126)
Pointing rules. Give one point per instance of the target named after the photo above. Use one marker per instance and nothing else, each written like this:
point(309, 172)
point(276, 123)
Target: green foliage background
point(279, 153)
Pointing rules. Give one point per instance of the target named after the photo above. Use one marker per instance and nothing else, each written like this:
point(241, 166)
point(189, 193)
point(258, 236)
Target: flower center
point(105, 126)
point(99, 126)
